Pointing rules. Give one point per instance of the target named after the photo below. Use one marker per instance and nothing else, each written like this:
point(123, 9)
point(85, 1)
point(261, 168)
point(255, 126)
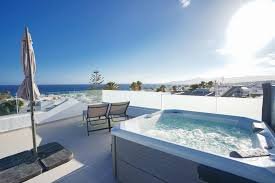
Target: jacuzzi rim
point(215, 116)
point(245, 164)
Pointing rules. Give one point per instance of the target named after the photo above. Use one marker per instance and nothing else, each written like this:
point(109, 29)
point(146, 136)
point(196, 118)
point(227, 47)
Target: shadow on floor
point(92, 153)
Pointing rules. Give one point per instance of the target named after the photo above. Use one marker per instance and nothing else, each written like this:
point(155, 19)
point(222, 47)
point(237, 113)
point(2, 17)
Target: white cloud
point(185, 3)
point(267, 62)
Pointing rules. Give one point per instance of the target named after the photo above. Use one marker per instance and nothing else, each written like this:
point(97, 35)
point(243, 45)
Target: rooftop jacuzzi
point(183, 146)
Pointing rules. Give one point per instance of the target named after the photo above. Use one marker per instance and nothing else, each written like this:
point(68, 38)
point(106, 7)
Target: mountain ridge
point(241, 79)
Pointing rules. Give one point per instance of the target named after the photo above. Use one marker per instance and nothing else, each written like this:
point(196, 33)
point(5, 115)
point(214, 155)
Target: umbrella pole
point(31, 96)
point(16, 100)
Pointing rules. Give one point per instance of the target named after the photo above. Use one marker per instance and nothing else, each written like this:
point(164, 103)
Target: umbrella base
point(52, 155)
point(23, 166)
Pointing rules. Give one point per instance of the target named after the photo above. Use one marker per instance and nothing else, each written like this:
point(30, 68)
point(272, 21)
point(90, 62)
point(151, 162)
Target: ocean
point(48, 89)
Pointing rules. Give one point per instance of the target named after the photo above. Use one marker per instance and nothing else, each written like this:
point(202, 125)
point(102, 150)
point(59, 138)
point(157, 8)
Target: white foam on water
point(208, 136)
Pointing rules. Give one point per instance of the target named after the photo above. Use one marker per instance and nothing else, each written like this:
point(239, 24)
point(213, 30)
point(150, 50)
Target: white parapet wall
point(189, 103)
point(137, 98)
point(246, 107)
point(68, 109)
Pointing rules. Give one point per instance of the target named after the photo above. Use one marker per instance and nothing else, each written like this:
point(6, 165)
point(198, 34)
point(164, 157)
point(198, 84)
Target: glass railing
point(238, 106)
point(48, 101)
point(85, 96)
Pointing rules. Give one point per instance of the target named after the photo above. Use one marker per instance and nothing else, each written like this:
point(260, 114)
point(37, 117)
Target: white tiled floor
point(92, 154)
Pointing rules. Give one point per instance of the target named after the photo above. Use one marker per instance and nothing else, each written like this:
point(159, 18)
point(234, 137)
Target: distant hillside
point(232, 80)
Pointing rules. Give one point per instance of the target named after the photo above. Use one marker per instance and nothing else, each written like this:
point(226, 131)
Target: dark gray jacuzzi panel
point(136, 163)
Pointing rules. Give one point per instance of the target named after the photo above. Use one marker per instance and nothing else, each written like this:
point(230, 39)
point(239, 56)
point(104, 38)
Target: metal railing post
point(161, 107)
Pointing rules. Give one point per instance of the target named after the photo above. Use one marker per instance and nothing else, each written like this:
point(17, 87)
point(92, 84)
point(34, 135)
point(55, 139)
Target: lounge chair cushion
point(19, 168)
point(97, 110)
point(53, 154)
point(118, 108)
point(23, 166)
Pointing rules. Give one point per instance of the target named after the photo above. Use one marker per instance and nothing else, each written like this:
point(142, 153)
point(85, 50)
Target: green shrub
point(9, 107)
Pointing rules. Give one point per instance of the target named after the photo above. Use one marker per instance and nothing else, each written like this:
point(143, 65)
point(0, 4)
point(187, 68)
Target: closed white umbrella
point(28, 89)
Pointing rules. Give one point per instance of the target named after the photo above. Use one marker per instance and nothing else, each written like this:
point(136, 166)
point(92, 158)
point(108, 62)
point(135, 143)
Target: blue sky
point(152, 41)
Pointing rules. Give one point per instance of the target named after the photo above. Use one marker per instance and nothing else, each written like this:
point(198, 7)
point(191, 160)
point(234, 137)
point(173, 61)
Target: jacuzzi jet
point(268, 147)
point(257, 127)
point(149, 116)
point(176, 112)
point(249, 154)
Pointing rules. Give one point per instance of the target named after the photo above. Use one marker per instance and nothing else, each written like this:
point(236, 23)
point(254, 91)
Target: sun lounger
point(118, 110)
point(97, 115)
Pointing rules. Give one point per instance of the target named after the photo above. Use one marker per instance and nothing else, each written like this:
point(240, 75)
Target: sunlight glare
point(251, 29)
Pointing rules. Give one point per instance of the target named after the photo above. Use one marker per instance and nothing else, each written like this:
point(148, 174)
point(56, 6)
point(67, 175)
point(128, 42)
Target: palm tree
point(136, 86)
point(194, 86)
point(202, 84)
point(111, 86)
point(139, 84)
point(210, 84)
point(174, 88)
point(162, 88)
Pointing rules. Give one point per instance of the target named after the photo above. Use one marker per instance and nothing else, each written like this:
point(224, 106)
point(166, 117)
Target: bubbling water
point(208, 136)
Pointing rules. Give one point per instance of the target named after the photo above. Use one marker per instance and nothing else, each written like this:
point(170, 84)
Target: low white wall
point(70, 108)
point(189, 103)
point(15, 121)
point(246, 107)
point(137, 98)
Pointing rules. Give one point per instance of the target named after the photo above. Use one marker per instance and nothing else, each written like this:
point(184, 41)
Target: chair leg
point(109, 124)
point(87, 127)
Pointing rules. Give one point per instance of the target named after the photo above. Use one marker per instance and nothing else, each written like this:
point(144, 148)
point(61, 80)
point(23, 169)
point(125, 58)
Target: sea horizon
point(65, 88)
